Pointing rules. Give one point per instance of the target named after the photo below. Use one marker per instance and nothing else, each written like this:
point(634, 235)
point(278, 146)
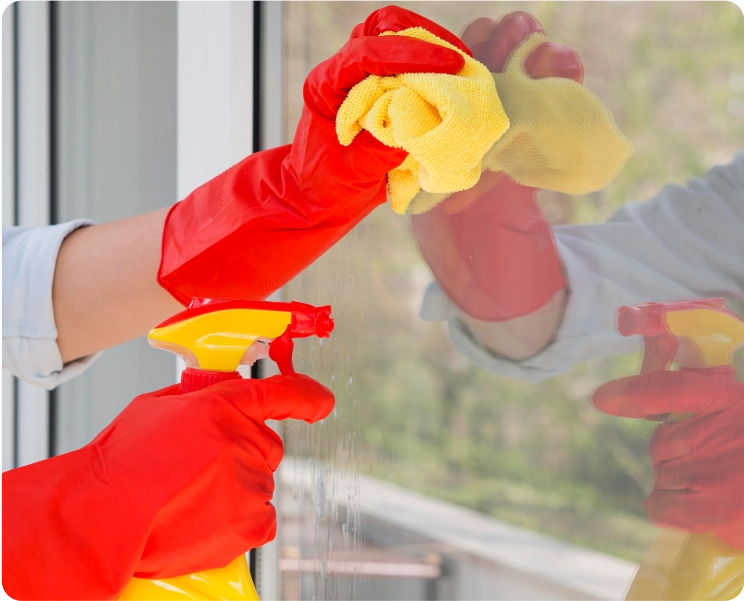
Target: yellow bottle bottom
point(681, 565)
point(231, 582)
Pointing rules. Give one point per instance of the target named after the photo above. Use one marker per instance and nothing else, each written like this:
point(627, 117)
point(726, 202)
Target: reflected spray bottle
point(699, 336)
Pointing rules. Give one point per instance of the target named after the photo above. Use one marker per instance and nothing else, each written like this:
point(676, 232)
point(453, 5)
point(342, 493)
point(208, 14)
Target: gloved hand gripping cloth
point(555, 134)
point(428, 115)
point(251, 229)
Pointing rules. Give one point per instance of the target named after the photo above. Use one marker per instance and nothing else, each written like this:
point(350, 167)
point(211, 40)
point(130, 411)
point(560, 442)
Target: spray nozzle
point(311, 321)
point(632, 321)
point(710, 332)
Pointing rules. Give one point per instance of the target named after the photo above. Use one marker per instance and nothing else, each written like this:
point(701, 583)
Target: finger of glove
point(662, 392)
point(257, 535)
point(555, 60)
point(395, 18)
point(329, 83)
point(278, 397)
point(711, 469)
point(508, 33)
point(668, 442)
point(376, 155)
point(477, 34)
point(258, 527)
point(675, 474)
point(694, 472)
point(270, 446)
point(225, 506)
point(496, 41)
point(696, 434)
point(694, 511)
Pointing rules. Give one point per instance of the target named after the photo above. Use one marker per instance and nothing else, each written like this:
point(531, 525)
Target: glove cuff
point(250, 230)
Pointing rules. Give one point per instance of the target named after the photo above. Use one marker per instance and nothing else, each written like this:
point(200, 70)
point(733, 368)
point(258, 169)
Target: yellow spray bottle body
point(697, 335)
point(213, 337)
point(231, 582)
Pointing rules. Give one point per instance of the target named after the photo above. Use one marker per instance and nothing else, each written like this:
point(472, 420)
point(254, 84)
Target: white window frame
point(7, 212)
point(27, 181)
point(218, 124)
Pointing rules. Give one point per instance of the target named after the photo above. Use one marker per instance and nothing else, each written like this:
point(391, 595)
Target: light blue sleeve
point(30, 350)
point(685, 243)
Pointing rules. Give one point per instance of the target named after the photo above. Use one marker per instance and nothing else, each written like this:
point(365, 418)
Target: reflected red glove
point(490, 248)
point(173, 485)
point(253, 228)
point(698, 461)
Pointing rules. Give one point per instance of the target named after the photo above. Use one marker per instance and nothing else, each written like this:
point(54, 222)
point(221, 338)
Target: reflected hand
point(175, 484)
point(493, 41)
point(490, 248)
point(698, 461)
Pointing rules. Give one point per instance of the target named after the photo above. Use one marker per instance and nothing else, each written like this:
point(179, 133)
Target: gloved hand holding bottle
point(698, 457)
point(175, 484)
point(491, 248)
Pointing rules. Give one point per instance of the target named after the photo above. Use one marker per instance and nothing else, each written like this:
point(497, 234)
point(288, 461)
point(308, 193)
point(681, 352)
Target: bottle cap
point(196, 379)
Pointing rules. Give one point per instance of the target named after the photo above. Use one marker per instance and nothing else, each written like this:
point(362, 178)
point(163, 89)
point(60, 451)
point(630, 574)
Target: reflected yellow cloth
point(561, 136)
point(446, 123)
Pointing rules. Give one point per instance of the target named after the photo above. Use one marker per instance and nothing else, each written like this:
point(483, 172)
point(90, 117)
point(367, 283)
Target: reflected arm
point(522, 337)
point(685, 243)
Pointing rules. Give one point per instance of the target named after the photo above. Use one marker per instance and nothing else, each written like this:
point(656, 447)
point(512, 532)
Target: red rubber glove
point(698, 461)
point(173, 485)
point(490, 248)
point(250, 230)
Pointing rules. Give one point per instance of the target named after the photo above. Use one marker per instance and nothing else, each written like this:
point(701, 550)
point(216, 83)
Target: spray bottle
point(213, 337)
point(696, 335)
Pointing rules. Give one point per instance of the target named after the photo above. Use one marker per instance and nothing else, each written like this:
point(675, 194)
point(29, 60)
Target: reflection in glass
point(447, 473)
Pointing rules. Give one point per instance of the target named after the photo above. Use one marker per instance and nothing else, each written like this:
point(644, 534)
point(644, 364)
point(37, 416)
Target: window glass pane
point(443, 476)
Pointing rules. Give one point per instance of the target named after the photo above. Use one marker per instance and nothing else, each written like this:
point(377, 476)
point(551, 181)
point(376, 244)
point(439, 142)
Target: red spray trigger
point(658, 352)
point(647, 320)
point(280, 352)
point(307, 320)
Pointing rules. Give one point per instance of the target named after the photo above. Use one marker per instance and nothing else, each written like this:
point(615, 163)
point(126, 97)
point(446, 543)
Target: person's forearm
point(522, 337)
point(105, 288)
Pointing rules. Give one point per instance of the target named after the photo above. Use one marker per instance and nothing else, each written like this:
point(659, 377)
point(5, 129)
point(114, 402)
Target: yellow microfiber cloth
point(561, 136)
point(446, 123)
